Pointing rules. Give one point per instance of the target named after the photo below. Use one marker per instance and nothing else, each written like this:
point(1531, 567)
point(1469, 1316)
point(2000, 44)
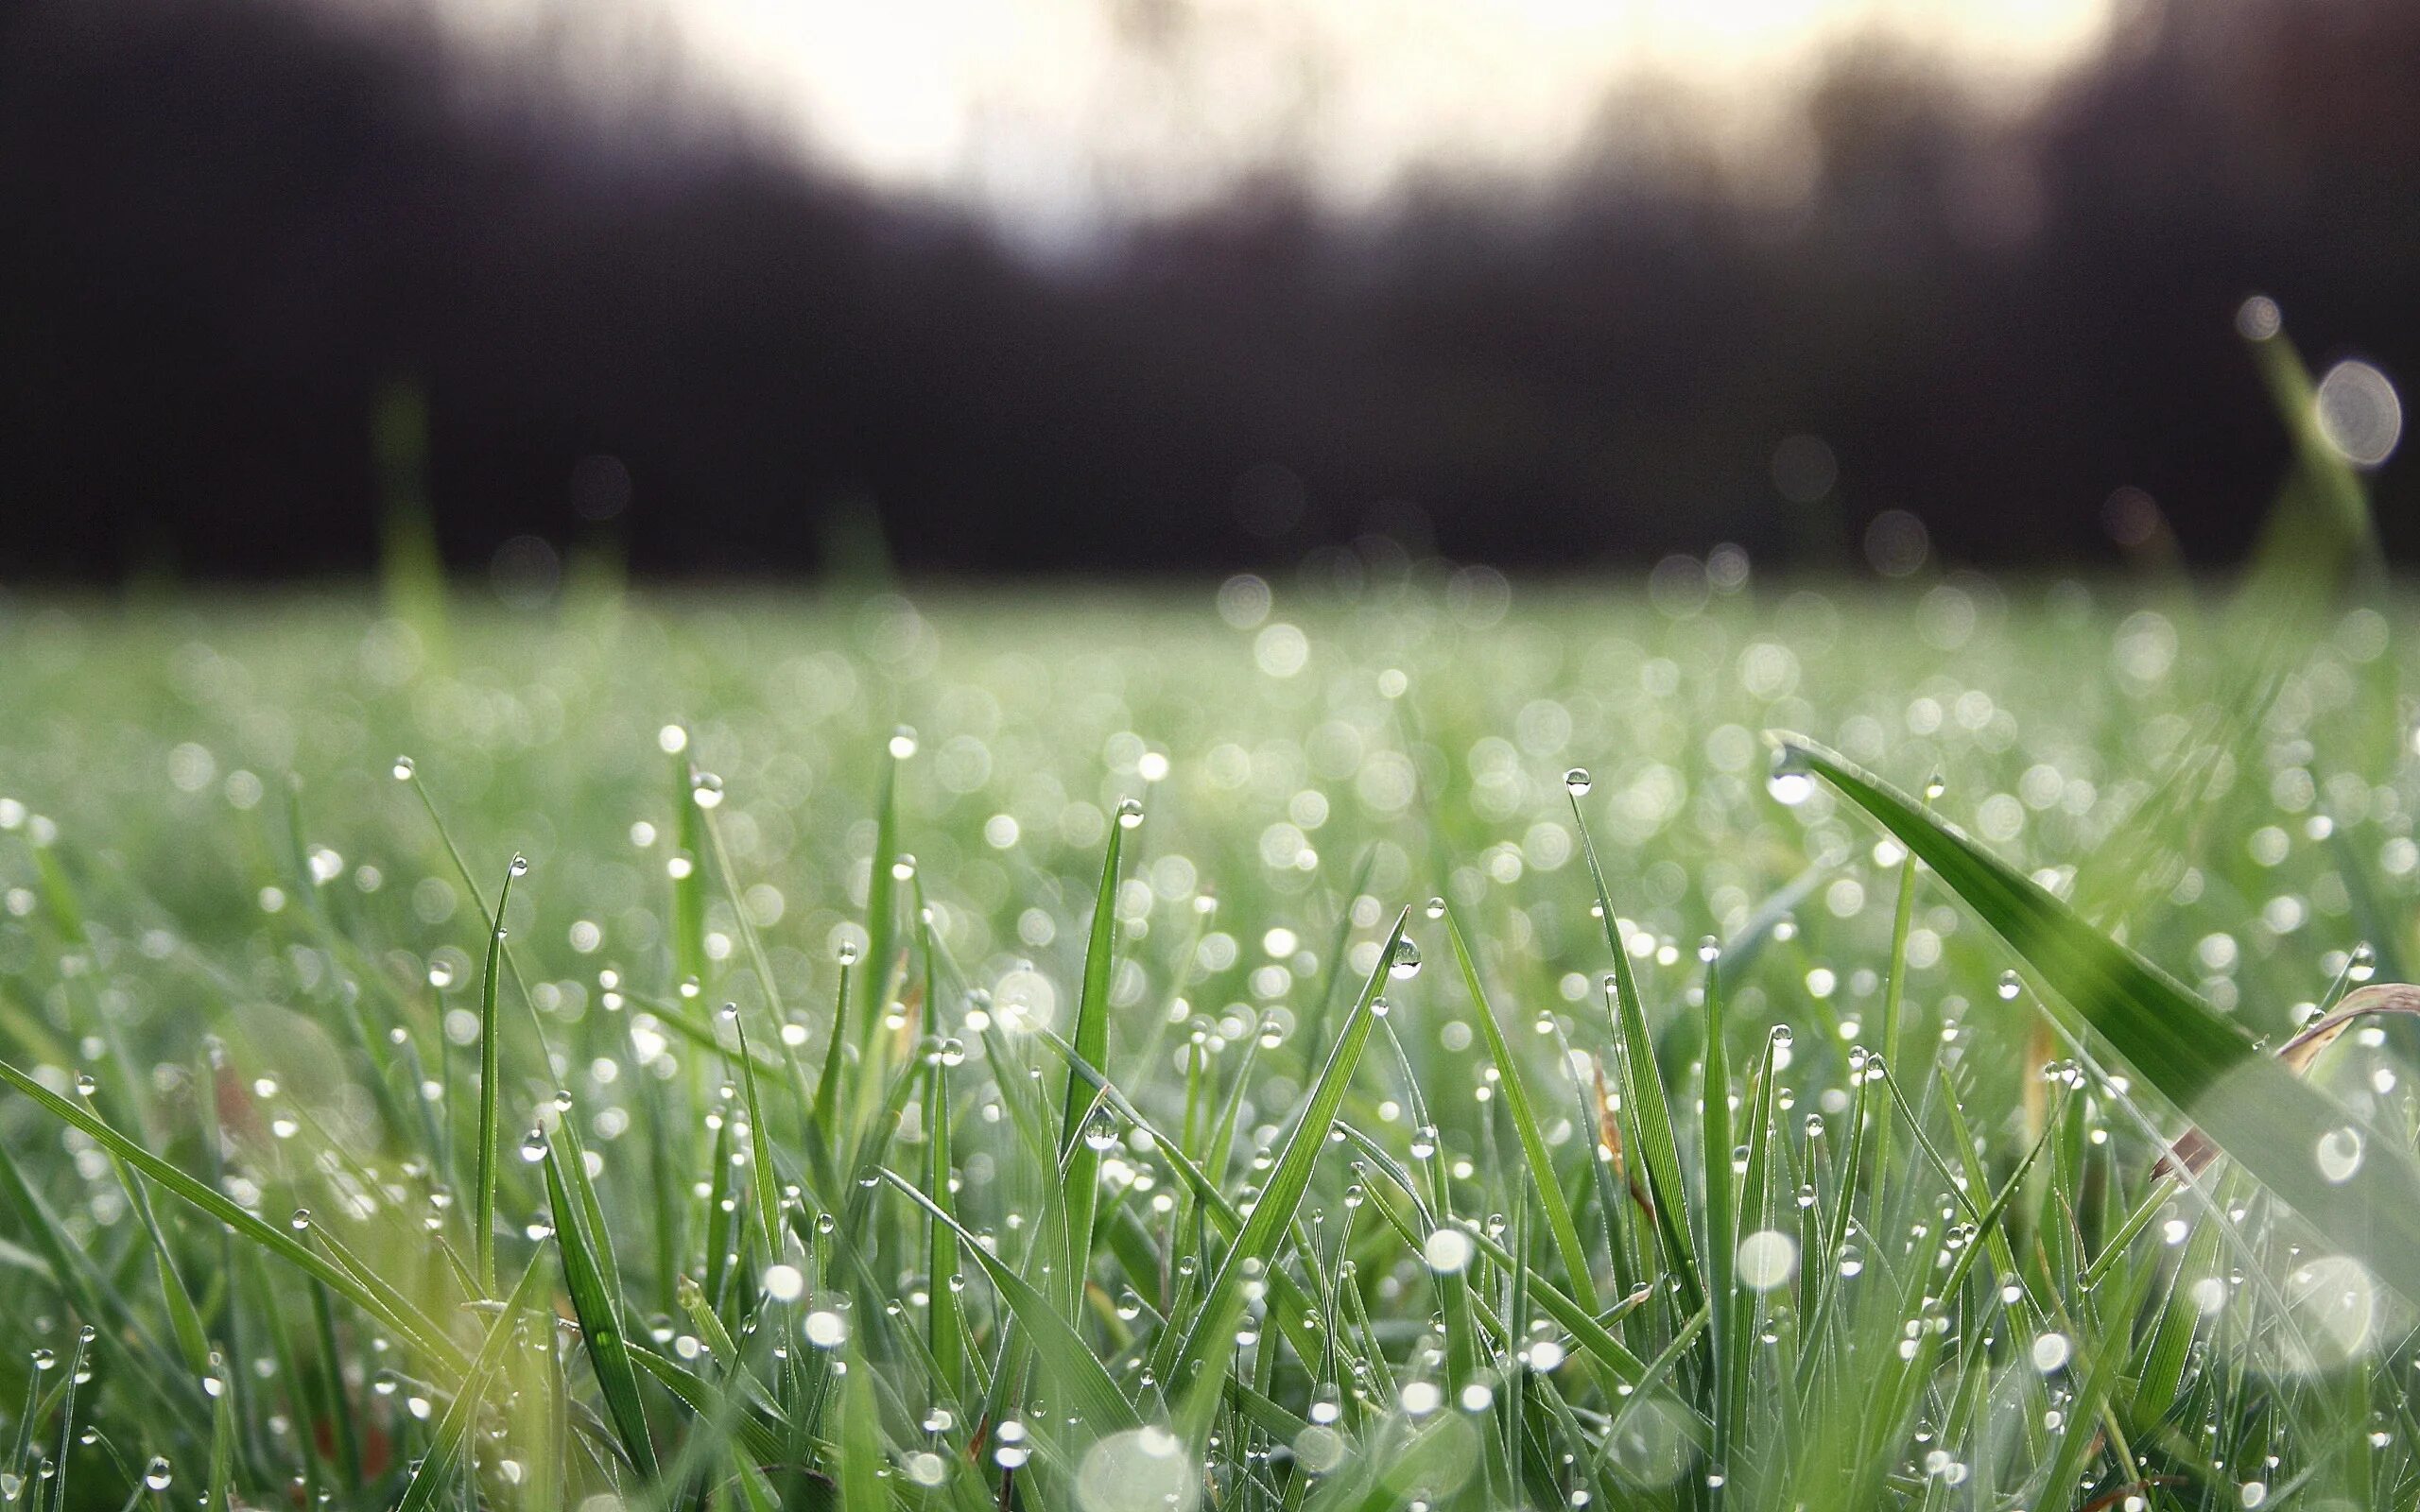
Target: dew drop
point(1447, 1250)
point(1577, 781)
point(404, 770)
point(2339, 1155)
point(1790, 784)
point(2050, 1352)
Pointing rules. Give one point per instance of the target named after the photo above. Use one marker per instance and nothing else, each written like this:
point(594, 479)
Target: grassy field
point(1170, 1051)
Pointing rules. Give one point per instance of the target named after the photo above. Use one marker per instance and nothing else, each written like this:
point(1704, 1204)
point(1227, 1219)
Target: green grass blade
point(1091, 1041)
point(277, 1239)
point(2254, 1111)
point(1642, 1089)
point(1525, 1127)
point(882, 908)
point(1212, 1338)
point(491, 1089)
point(434, 1475)
point(599, 1310)
point(1074, 1371)
point(767, 1183)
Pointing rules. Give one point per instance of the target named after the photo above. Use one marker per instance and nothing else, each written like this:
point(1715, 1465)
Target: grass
point(1230, 1054)
point(1389, 1042)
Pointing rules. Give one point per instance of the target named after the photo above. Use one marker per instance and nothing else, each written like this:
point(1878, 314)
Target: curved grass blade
point(424, 1335)
point(600, 1329)
point(1212, 1337)
point(491, 1076)
point(1643, 1090)
point(1525, 1125)
point(1066, 1359)
point(2253, 1109)
point(432, 1477)
point(1091, 1040)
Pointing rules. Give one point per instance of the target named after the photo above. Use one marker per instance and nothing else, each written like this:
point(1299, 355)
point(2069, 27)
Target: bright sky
point(1058, 115)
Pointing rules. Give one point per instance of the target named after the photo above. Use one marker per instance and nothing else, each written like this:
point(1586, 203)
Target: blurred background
point(758, 287)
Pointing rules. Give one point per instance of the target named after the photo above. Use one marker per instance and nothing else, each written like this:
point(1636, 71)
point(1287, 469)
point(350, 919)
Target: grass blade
point(2251, 1108)
point(491, 1077)
point(1642, 1086)
point(416, 1328)
point(1091, 1041)
point(599, 1310)
point(433, 1476)
point(1212, 1338)
point(1525, 1125)
point(1063, 1358)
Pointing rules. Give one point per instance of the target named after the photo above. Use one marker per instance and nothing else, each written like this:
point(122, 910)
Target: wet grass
point(1385, 1039)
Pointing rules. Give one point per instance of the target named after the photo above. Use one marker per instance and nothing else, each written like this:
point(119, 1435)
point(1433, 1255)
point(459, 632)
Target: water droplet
point(2050, 1351)
point(156, 1475)
point(705, 790)
point(847, 952)
point(533, 1146)
point(2358, 413)
point(404, 770)
point(1577, 781)
point(1935, 785)
point(1446, 1250)
point(519, 869)
point(1436, 908)
point(1130, 814)
point(302, 1220)
point(825, 1329)
point(85, 1085)
point(2339, 1155)
point(1790, 784)
point(1405, 962)
point(1768, 1257)
point(903, 743)
point(2009, 986)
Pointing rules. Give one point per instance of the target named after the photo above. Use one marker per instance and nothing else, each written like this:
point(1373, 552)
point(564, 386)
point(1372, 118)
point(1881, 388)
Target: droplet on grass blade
point(1790, 784)
point(1446, 1250)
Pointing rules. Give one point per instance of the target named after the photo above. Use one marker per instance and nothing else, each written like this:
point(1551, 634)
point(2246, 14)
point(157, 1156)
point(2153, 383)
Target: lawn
point(1167, 1049)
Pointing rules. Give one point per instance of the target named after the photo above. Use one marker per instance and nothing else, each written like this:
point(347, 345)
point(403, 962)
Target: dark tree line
point(233, 225)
